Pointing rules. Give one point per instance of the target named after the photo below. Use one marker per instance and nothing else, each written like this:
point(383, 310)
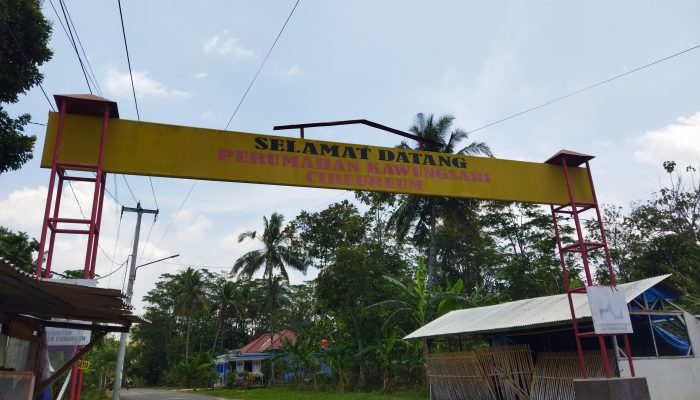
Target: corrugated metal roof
point(23, 293)
point(521, 314)
point(262, 343)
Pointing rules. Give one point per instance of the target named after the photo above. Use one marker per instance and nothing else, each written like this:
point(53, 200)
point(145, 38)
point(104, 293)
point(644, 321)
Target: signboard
point(67, 337)
point(143, 148)
point(63, 337)
point(609, 310)
point(84, 365)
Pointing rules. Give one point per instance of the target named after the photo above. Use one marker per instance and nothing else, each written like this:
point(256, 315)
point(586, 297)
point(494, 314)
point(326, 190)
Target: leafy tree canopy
point(23, 48)
point(17, 247)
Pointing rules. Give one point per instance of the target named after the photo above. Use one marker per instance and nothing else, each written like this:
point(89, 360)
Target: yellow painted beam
point(144, 148)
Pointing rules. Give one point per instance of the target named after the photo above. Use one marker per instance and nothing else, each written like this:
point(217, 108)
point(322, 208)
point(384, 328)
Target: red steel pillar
point(88, 225)
point(94, 106)
point(574, 208)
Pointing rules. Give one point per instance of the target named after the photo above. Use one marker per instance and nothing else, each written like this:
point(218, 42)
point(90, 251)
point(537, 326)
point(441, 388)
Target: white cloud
point(225, 45)
point(678, 142)
point(191, 225)
point(201, 75)
point(294, 70)
point(119, 84)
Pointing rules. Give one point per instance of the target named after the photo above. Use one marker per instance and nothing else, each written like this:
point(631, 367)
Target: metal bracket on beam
point(301, 127)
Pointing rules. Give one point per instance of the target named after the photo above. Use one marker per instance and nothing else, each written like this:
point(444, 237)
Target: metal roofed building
point(250, 357)
point(663, 346)
point(31, 307)
point(521, 314)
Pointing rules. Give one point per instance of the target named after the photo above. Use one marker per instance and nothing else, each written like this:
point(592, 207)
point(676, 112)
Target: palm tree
point(422, 212)
point(230, 298)
point(276, 254)
point(191, 298)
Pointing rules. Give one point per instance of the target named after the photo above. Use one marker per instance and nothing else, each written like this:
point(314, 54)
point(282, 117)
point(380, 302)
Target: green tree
point(229, 299)
point(322, 233)
point(302, 357)
point(191, 298)
point(23, 47)
point(194, 372)
point(103, 359)
point(276, 254)
point(422, 213)
point(17, 248)
point(675, 208)
point(347, 286)
point(529, 262)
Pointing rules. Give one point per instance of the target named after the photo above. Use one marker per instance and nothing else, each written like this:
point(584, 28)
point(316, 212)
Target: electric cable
point(262, 64)
point(114, 272)
point(279, 34)
point(80, 207)
point(131, 241)
point(72, 41)
point(114, 251)
point(584, 89)
point(153, 192)
point(91, 73)
point(133, 90)
point(128, 60)
point(172, 220)
point(148, 237)
point(129, 187)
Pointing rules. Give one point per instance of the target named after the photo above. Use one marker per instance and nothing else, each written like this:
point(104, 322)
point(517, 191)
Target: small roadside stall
point(30, 307)
point(526, 348)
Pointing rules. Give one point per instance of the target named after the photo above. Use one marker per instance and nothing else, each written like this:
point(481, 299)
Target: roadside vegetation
point(387, 264)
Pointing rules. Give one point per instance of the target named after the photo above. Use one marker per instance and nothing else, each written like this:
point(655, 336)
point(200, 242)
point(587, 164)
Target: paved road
point(156, 394)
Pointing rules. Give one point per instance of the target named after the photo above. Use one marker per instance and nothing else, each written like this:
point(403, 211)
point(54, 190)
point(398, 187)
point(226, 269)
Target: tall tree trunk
point(362, 379)
point(216, 337)
point(271, 381)
point(432, 253)
point(187, 340)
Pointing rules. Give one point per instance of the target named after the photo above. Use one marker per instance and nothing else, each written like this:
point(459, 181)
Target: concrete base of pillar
point(612, 389)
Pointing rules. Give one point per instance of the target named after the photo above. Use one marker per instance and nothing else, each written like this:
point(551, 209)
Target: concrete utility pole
point(129, 291)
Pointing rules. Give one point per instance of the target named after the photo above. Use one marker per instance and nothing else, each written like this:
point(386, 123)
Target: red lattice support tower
point(84, 104)
point(53, 223)
point(582, 247)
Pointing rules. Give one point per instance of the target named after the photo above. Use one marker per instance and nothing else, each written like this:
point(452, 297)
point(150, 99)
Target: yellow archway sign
point(144, 148)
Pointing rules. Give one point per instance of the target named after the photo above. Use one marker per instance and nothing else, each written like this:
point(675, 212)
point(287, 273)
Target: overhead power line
point(584, 89)
point(262, 64)
point(133, 91)
point(80, 207)
point(91, 73)
point(128, 60)
point(129, 187)
point(279, 34)
point(71, 39)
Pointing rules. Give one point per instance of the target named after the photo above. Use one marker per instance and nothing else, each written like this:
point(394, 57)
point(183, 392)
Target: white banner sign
point(609, 310)
point(69, 337)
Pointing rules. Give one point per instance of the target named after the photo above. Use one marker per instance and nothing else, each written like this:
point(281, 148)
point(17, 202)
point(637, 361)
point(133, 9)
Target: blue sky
point(382, 61)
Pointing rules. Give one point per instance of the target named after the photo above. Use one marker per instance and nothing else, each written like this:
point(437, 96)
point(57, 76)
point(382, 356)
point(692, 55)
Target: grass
point(297, 394)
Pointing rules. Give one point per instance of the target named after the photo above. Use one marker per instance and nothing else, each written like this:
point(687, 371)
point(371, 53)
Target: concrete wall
point(672, 378)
